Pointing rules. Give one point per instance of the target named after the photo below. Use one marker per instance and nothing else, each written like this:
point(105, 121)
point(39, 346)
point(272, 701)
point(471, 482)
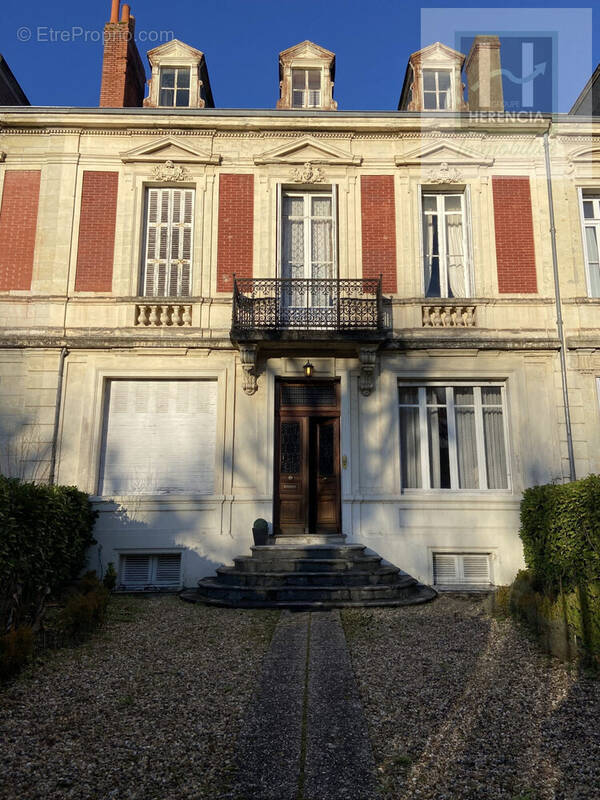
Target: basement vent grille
point(461, 569)
point(148, 572)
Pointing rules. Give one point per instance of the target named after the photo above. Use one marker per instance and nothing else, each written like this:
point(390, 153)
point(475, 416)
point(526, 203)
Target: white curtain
point(455, 257)
point(591, 235)
point(466, 445)
point(435, 417)
point(429, 224)
point(493, 432)
point(410, 448)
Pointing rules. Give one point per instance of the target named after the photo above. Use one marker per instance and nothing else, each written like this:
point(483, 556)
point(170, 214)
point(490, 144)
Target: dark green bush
point(85, 610)
point(16, 648)
point(44, 534)
point(110, 577)
point(560, 530)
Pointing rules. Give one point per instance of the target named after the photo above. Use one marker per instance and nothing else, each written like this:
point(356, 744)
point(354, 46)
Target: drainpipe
point(559, 318)
point(61, 369)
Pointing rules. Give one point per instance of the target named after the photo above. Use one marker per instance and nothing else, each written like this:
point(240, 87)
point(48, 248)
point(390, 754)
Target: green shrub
point(110, 577)
point(16, 648)
point(44, 534)
point(85, 610)
point(560, 530)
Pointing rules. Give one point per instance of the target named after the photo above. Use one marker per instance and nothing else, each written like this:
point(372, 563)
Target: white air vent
point(461, 569)
point(145, 571)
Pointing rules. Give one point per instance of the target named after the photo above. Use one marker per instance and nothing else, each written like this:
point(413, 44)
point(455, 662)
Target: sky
point(55, 50)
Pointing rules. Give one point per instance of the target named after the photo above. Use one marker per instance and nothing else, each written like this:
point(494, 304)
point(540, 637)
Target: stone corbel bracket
point(248, 356)
point(366, 381)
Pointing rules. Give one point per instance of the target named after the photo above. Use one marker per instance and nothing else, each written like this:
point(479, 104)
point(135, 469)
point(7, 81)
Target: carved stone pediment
point(168, 148)
point(307, 150)
point(169, 172)
point(438, 153)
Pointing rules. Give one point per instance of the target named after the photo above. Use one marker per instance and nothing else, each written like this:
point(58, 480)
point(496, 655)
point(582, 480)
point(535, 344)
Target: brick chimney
point(484, 75)
point(123, 74)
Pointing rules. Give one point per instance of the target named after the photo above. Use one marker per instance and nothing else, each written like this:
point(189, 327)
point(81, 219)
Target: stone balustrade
point(167, 315)
point(449, 316)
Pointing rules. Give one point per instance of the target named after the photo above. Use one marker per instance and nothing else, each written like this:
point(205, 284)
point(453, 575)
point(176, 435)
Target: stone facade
point(75, 319)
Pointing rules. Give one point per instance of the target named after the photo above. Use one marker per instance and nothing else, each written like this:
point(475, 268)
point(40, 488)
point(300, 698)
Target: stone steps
point(236, 577)
point(310, 576)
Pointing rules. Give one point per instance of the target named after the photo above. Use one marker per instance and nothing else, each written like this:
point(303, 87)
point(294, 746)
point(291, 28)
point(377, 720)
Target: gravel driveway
point(149, 709)
point(461, 706)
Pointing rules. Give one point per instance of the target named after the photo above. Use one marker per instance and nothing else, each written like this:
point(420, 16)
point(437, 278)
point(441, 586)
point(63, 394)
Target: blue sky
point(241, 39)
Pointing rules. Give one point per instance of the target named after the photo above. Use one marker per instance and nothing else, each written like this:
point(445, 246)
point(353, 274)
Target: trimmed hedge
point(559, 595)
point(560, 530)
point(44, 534)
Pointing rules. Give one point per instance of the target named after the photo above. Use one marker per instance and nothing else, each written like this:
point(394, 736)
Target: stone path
point(305, 736)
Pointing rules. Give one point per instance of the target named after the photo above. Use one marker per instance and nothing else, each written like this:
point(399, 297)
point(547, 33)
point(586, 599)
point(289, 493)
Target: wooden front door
point(307, 461)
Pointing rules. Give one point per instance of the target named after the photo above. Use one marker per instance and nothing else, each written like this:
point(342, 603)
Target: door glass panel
point(290, 448)
point(326, 449)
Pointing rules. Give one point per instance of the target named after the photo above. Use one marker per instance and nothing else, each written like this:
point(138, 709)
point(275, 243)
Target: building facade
point(170, 272)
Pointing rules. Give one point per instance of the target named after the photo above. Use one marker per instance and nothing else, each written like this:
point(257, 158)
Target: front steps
point(310, 576)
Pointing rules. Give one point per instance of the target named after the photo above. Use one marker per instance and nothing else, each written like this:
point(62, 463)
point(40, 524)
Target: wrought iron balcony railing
point(354, 304)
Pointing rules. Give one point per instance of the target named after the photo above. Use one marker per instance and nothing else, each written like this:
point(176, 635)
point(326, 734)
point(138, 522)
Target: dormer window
point(306, 76)
point(306, 88)
point(433, 80)
point(436, 90)
point(174, 87)
point(179, 77)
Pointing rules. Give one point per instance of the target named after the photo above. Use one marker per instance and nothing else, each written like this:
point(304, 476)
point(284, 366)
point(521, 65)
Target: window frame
point(450, 405)
point(331, 191)
point(449, 91)
point(584, 194)
point(143, 277)
point(307, 90)
point(176, 87)
point(465, 195)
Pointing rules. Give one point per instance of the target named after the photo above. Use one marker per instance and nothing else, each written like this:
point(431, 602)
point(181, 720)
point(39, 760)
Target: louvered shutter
point(167, 569)
point(445, 569)
point(461, 569)
point(159, 437)
point(135, 570)
point(476, 568)
point(169, 241)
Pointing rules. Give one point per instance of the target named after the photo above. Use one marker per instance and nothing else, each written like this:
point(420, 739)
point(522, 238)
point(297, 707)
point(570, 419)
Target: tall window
point(159, 437)
point(452, 437)
point(306, 88)
point(168, 245)
point(445, 245)
point(174, 87)
point(590, 205)
point(436, 89)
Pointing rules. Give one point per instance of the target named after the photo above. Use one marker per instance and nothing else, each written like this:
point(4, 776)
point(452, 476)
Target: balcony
point(307, 308)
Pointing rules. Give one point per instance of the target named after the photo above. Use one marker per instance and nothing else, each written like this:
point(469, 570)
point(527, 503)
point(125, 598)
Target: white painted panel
point(159, 437)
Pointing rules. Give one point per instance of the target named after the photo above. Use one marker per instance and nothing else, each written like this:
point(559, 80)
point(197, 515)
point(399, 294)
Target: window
point(308, 247)
point(306, 88)
point(436, 89)
point(174, 87)
point(453, 437)
point(445, 245)
point(159, 437)
point(146, 571)
point(168, 246)
point(590, 208)
point(462, 569)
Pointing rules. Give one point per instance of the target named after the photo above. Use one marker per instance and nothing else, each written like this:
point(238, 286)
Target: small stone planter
point(260, 532)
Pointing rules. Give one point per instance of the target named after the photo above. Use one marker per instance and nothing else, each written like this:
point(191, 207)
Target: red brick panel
point(235, 241)
point(95, 252)
point(515, 251)
point(18, 225)
point(378, 208)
